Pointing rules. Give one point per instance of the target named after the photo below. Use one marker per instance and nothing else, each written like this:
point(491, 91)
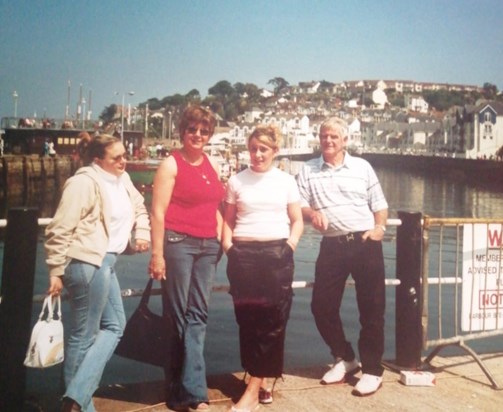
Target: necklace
point(203, 175)
point(196, 167)
point(200, 171)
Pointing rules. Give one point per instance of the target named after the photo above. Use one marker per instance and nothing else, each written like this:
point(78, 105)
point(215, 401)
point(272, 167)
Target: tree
point(153, 103)
point(490, 91)
point(108, 113)
point(222, 90)
point(193, 95)
point(240, 88)
point(176, 100)
point(279, 84)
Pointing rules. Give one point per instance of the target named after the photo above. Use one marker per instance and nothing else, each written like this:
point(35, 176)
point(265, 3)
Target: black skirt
point(260, 276)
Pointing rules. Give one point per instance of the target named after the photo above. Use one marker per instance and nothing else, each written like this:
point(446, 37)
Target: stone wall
point(33, 181)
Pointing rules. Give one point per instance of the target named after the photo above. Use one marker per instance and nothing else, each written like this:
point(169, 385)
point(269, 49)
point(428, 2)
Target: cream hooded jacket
point(80, 227)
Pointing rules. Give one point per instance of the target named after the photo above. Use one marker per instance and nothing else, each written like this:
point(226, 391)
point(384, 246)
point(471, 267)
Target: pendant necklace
point(197, 168)
point(203, 175)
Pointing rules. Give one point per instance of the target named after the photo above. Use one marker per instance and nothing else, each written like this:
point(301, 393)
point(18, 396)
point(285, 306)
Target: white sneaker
point(339, 371)
point(367, 385)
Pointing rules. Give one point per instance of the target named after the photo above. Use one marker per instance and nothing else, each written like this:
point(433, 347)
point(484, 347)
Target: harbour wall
point(477, 171)
point(33, 180)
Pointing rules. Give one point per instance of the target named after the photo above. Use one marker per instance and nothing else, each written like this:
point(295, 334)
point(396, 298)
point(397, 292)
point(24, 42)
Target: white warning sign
point(482, 304)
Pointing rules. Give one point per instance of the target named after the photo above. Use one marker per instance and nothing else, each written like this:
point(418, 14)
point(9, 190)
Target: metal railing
point(430, 302)
point(462, 284)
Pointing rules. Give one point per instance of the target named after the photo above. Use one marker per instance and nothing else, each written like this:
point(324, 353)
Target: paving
point(460, 385)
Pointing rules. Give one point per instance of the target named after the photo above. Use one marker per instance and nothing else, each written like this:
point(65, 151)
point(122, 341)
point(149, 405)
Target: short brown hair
point(199, 115)
point(97, 147)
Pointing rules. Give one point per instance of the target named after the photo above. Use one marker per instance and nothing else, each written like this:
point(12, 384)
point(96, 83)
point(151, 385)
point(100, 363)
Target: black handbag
point(148, 337)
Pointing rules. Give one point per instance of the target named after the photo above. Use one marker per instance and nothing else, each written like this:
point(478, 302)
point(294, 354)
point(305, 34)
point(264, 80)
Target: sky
point(157, 48)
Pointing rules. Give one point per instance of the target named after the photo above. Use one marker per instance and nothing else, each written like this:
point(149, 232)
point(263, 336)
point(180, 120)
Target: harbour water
point(434, 196)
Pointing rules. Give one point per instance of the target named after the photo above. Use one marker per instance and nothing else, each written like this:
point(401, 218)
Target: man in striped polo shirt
point(343, 199)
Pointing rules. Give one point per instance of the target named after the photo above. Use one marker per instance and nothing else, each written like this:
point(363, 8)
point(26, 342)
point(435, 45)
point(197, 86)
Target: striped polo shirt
point(347, 194)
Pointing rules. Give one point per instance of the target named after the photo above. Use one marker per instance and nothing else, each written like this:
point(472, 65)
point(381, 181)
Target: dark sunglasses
point(193, 130)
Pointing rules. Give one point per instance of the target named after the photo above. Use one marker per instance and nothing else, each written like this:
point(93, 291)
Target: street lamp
point(15, 96)
point(122, 113)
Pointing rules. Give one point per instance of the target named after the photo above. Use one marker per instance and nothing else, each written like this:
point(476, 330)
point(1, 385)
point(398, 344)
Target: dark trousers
point(364, 261)
point(260, 276)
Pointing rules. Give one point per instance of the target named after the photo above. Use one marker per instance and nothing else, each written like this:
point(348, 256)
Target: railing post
point(408, 331)
point(18, 277)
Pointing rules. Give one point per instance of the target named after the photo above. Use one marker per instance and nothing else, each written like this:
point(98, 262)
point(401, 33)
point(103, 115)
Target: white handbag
point(47, 340)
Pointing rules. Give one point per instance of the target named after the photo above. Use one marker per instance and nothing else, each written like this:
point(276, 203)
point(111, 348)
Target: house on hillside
point(487, 131)
point(416, 103)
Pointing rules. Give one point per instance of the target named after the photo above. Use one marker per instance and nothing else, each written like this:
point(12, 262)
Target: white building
point(416, 103)
point(487, 130)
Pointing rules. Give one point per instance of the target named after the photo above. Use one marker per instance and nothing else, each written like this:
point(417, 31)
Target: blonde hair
point(268, 135)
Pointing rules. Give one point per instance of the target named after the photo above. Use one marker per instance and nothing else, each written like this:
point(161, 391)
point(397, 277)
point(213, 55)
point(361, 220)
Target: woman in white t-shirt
point(262, 226)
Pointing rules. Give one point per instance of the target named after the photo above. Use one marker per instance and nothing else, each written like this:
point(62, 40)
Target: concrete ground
point(460, 385)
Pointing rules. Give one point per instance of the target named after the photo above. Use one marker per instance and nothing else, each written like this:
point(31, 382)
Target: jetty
point(459, 385)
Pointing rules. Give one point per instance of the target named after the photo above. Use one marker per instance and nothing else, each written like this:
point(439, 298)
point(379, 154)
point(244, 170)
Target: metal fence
point(462, 284)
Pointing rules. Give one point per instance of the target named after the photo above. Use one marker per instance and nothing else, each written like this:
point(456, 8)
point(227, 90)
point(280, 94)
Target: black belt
point(347, 238)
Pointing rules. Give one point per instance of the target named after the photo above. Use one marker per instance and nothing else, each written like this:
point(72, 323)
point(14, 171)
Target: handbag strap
point(50, 305)
point(58, 304)
point(146, 293)
point(46, 304)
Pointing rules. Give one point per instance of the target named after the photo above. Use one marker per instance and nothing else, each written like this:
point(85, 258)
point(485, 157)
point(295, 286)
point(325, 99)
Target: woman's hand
point(157, 267)
point(55, 286)
point(141, 245)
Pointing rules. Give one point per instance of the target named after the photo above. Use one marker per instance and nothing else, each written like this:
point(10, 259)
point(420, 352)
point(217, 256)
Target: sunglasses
point(193, 130)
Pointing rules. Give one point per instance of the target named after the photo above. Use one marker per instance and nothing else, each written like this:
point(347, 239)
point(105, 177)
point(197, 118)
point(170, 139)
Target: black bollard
point(18, 278)
point(408, 331)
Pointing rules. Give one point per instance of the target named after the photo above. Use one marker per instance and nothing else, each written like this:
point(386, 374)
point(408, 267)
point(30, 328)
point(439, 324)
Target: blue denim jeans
point(96, 324)
point(190, 269)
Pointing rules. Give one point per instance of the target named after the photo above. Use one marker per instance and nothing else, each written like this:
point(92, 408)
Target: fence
point(462, 284)
point(425, 247)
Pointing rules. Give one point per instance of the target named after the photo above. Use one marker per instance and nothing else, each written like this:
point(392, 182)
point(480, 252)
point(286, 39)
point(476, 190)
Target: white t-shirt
point(122, 210)
point(261, 200)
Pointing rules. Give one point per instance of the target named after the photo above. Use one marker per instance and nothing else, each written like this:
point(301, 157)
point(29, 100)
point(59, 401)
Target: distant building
point(487, 131)
point(416, 103)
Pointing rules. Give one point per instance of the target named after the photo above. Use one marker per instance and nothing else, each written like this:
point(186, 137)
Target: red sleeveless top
point(196, 196)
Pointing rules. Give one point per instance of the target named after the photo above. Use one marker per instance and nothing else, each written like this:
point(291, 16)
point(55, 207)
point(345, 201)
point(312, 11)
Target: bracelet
point(382, 227)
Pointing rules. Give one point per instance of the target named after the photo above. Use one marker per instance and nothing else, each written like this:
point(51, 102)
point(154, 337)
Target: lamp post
point(15, 96)
point(122, 113)
point(169, 125)
point(83, 113)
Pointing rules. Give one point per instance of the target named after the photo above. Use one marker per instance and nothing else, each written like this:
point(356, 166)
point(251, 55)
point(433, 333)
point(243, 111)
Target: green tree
point(490, 91)
point(193, 95)
point(108, 113)
point(279, 84)
point(222, 90)
point(177, 100)
point(444, 99)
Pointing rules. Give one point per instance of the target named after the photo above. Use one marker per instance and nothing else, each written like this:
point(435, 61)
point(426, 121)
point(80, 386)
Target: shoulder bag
point(148, 337)
point(47, 339)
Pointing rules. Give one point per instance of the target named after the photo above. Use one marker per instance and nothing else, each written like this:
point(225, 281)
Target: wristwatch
point(382, 227)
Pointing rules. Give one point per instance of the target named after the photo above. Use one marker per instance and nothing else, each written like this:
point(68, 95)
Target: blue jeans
point(97, 321)
point(190, 269)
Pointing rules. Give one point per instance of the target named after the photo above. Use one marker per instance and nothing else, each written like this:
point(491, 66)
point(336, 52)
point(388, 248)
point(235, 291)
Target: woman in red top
point(186, 225)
